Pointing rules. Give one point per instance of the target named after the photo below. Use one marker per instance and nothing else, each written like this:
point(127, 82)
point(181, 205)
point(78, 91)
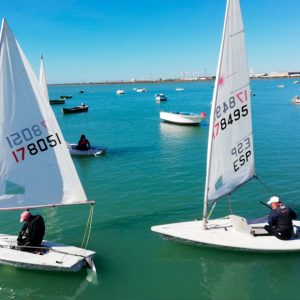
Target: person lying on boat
point(280, 219)
point(32, 232)
point(83, 143)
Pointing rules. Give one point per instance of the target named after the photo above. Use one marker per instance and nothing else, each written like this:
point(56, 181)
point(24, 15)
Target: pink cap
point(203, 114)
point(24, 215)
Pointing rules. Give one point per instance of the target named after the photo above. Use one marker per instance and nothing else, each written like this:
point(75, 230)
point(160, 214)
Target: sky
point(113, 40)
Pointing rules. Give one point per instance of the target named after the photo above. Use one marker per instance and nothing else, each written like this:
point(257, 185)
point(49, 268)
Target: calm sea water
point(153, 174)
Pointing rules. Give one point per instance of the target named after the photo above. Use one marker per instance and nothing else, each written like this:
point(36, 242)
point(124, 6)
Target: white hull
point(226, 233)
point(181, 118)
point(296, 100)
point(120, 92)
point(55, 257)
point(93, 151)
point(160, 97)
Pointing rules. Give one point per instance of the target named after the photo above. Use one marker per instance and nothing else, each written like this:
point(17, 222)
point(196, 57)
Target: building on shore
point(276, 75)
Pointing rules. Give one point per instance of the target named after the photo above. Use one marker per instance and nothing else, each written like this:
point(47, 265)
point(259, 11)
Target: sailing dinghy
point(230, 155)
point(93, 151)
point(35, 165)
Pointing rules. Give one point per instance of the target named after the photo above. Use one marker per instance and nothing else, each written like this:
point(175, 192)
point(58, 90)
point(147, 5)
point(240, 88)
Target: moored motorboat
point(161, 97)
point(65, 97)
point(93, 151)
point(75, 109)
point(182, 118)
point(141, 90)
point(179, 89)
point(120, 92)
point(57, 101)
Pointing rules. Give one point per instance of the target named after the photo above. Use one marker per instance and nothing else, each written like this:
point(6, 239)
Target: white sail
point(43, 80)
point(230, 156)
point(35, 165)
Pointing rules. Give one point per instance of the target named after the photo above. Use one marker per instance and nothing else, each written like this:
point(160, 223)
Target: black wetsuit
point(32, 232)
point(280, 222)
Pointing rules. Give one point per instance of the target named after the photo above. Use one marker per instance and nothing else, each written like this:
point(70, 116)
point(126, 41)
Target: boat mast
point(212, 120)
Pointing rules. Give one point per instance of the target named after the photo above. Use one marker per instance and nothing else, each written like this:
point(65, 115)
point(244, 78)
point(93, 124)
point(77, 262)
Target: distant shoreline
point(170, 80)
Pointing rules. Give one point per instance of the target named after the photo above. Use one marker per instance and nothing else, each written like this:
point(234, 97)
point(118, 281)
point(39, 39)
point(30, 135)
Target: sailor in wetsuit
point(83, 143)
point(280, 219)
point(32, 231)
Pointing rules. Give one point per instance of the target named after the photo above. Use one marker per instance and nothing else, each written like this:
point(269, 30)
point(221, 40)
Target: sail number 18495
point(227, 113)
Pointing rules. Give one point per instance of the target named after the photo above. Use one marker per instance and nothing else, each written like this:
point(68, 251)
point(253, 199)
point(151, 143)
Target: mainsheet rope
point(294, 206)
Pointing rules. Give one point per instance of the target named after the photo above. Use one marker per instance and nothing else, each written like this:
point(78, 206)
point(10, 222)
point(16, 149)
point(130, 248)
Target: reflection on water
point(26, 284)
point(232, 275)
point(178, 131)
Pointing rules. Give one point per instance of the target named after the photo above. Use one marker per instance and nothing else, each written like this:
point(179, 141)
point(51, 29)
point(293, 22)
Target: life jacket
point(83, 143)
point(36, 230)
point(285, 216)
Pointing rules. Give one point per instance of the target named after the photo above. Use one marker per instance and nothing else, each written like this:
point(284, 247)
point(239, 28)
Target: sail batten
point(35, 165)
point(230, 152)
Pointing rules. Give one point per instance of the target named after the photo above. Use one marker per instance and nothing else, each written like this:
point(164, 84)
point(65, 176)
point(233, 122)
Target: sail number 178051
point(33, 140)
point(40, 145)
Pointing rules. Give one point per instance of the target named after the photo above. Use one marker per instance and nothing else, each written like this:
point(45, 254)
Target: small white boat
point(50, 256)
point(120, 92)
point(93, 151)
point(296, 99)
point(281, 86)
point(161, 97)
point(296, 82)
point(141, 90)
point(182, 118)
point(180, 89)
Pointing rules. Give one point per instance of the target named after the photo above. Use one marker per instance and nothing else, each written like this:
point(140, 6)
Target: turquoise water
point(153, 174)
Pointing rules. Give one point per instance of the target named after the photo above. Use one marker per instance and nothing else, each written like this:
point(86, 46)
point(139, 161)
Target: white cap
point(273, 199)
